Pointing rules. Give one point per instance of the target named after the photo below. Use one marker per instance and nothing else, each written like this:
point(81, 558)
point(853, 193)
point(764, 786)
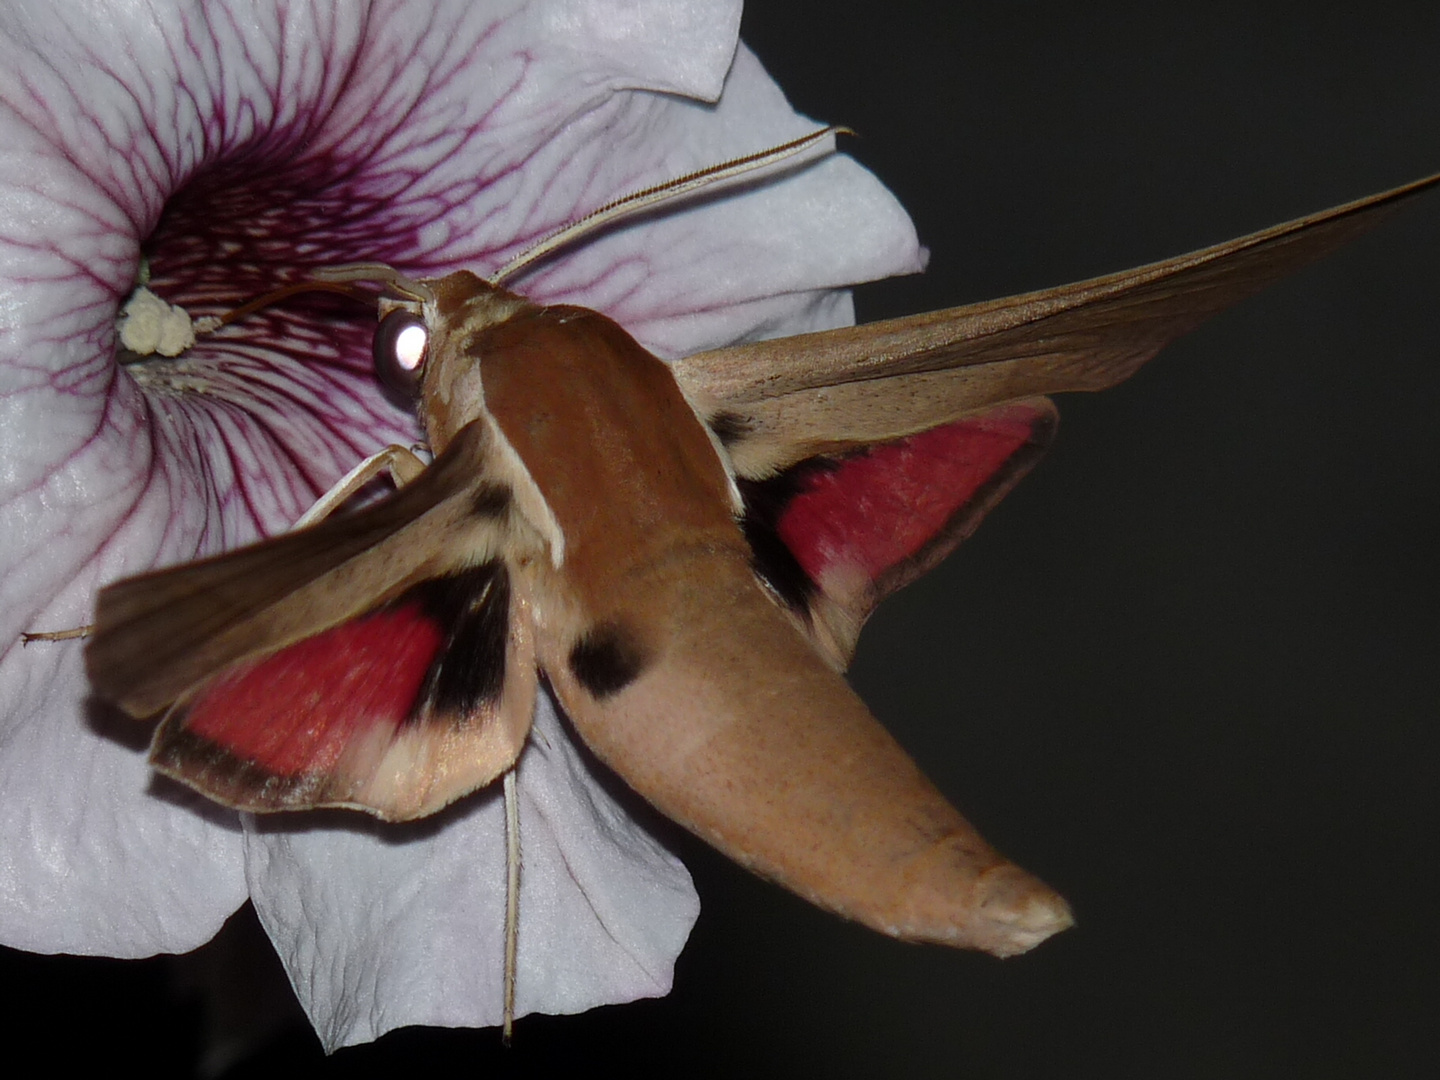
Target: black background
point(1186, 673)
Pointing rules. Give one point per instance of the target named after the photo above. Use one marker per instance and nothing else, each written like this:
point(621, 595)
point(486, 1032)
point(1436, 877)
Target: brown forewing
point(793, 397)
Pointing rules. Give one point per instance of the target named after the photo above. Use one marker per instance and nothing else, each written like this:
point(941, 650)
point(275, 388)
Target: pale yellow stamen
point(149, 325)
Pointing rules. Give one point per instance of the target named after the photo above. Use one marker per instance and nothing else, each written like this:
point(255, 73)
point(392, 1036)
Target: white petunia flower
point(231, 147)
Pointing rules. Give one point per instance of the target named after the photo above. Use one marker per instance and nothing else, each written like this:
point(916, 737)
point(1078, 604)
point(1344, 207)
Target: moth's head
point(425, 345)
point(406, 310)
point(401, 343)
point(425, 326)
point(422, 348)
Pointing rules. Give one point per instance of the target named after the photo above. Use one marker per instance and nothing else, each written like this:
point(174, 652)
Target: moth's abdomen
point(737, 729)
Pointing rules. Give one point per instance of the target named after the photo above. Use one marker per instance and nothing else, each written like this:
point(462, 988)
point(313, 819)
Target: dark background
point(1187, 672)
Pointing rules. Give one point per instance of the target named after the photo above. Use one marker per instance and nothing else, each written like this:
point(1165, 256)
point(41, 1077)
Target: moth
point(684, 552)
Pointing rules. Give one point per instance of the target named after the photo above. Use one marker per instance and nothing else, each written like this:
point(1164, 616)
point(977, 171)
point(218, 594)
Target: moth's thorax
point(464, 307)
point(628, 471)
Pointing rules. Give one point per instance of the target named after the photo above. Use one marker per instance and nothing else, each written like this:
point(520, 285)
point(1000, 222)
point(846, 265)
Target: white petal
point(682, 47)
point(728, 268)
point(385, 926)
point(97, 857)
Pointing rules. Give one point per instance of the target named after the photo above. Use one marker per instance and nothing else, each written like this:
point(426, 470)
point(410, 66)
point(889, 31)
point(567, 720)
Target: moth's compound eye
point(401, 340)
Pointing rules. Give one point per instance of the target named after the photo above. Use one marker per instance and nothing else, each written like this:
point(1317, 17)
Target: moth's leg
point(57, 635)
point(512, 899)
point(402, 463)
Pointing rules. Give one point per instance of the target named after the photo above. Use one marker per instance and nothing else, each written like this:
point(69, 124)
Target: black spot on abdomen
point(606, 659)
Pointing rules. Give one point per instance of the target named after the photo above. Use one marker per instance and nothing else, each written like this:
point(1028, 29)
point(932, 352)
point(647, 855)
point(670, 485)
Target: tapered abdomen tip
point(954, 898)
point(1017, 911)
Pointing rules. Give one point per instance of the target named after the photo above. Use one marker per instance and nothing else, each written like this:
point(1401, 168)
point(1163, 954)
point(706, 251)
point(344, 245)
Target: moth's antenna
point(669, 190)
point(343, 278)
